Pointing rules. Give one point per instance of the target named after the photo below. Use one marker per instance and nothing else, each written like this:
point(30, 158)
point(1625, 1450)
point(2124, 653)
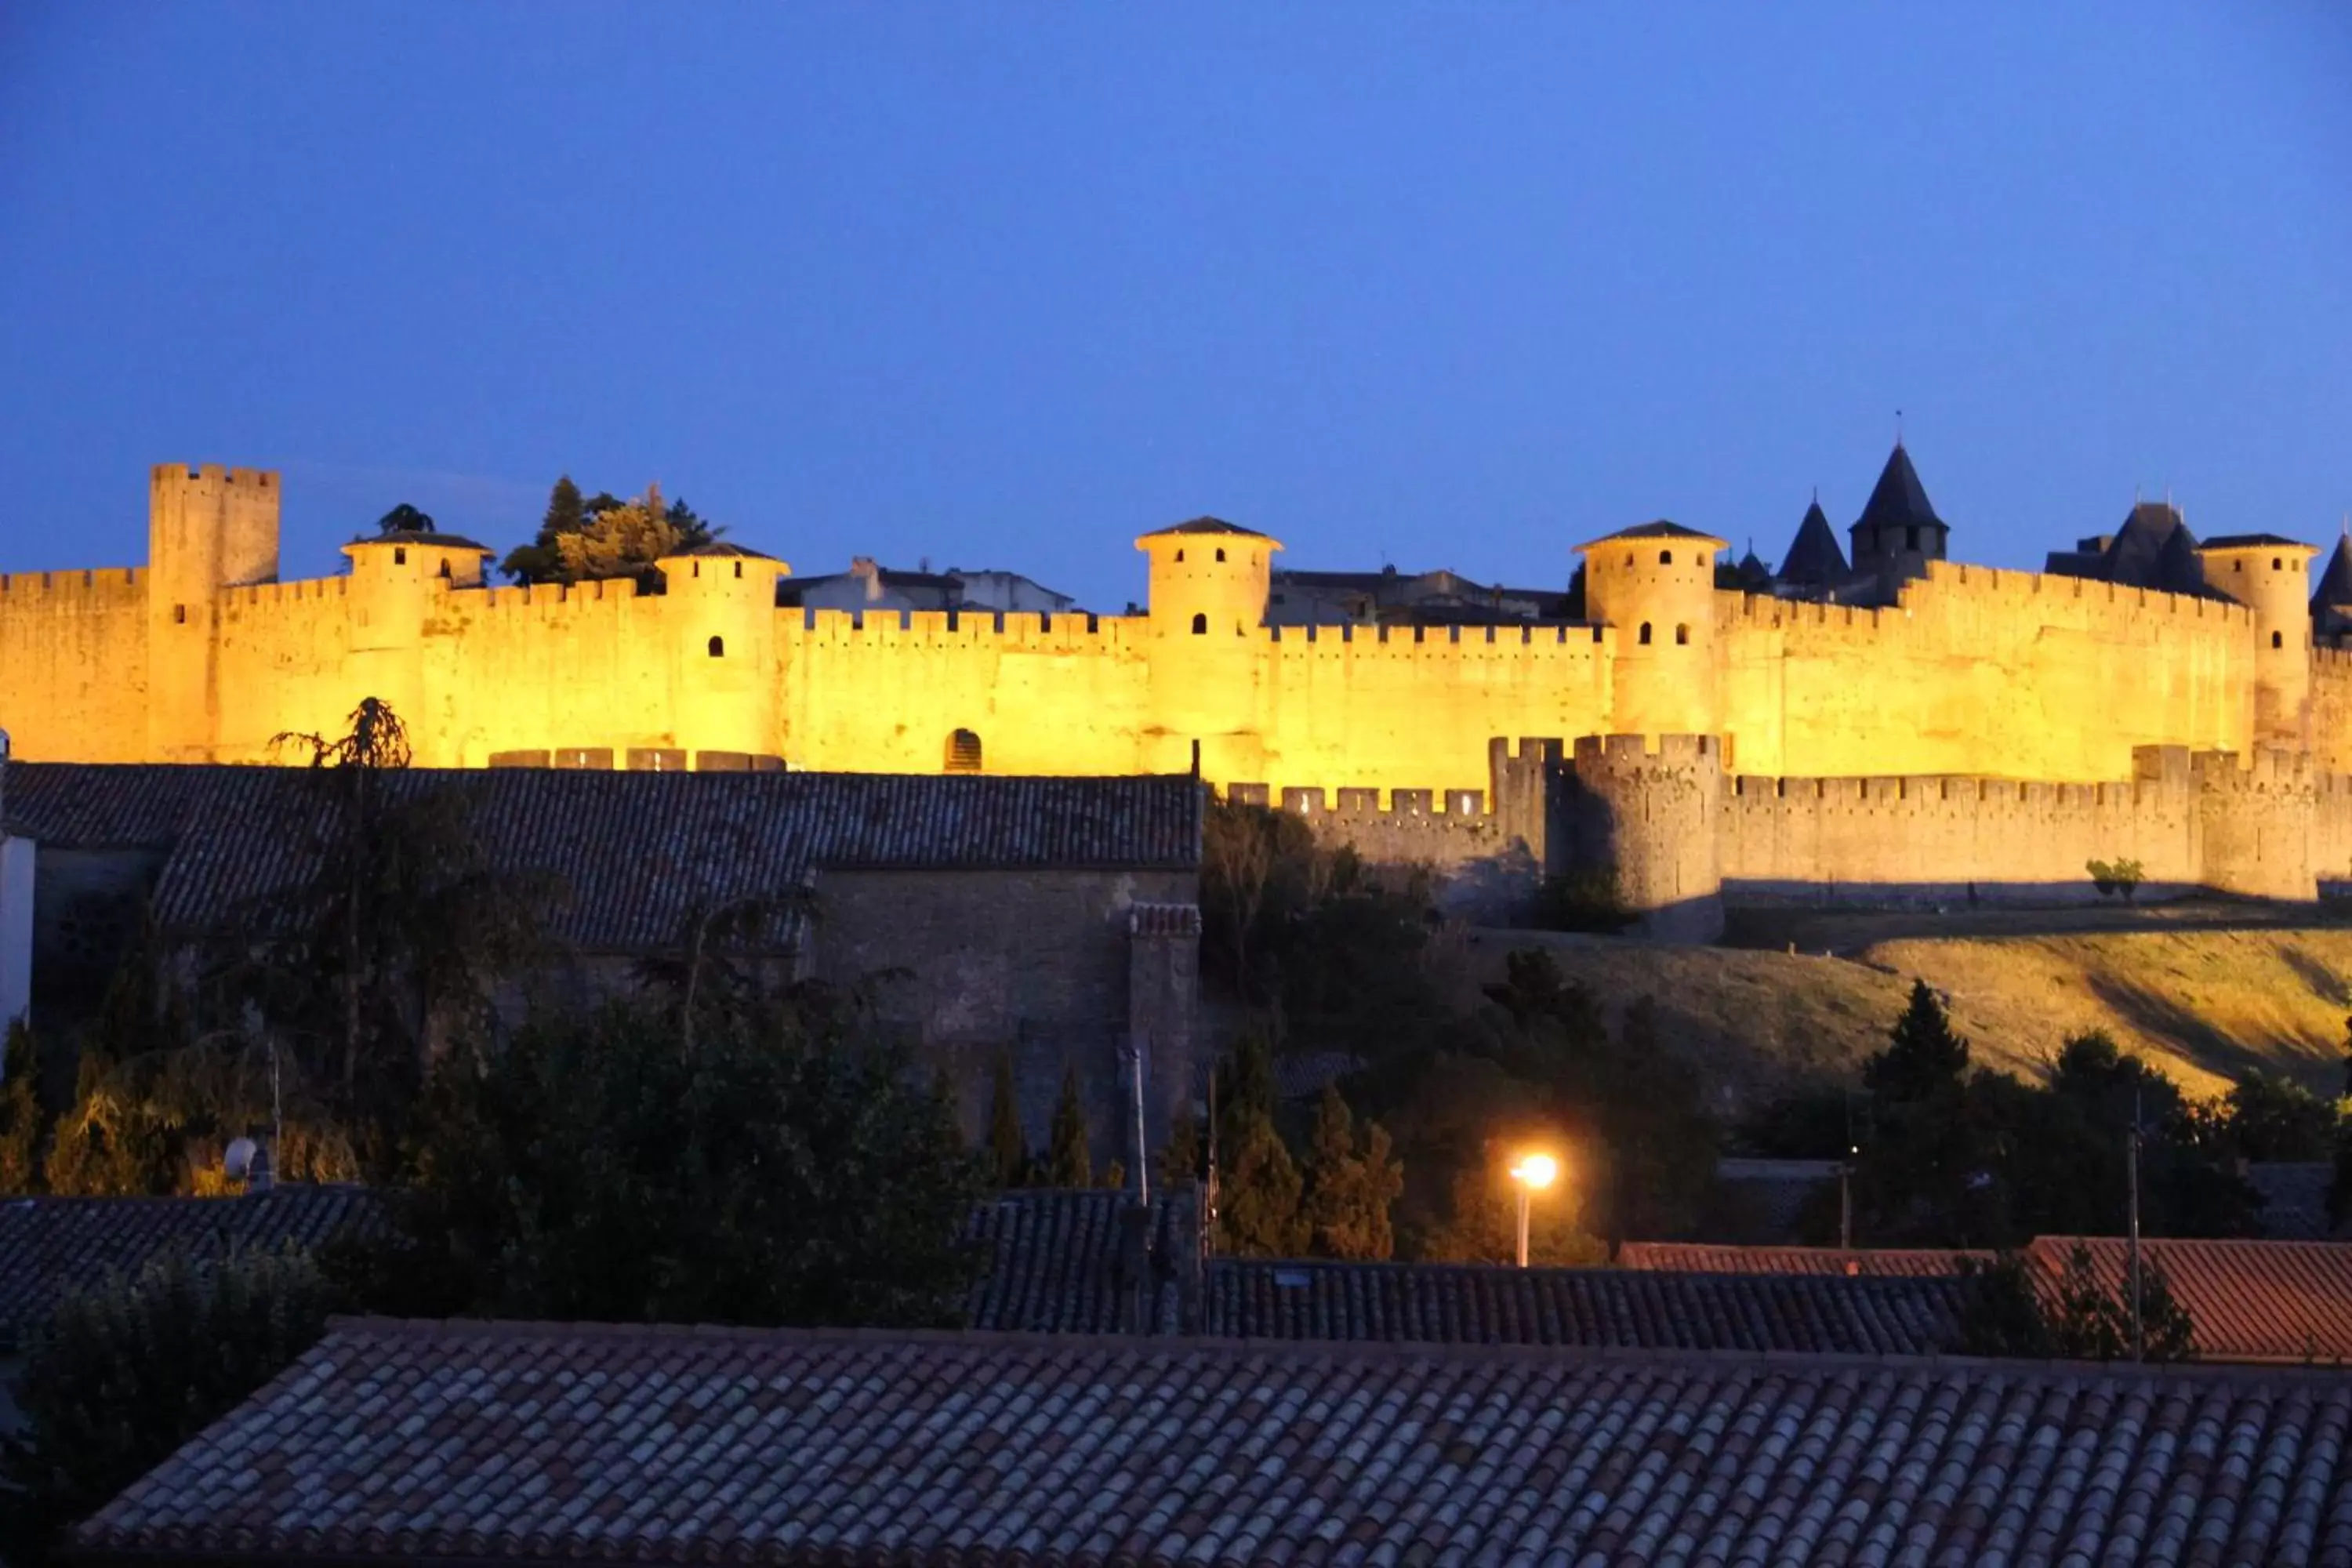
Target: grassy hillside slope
point(2206, 991)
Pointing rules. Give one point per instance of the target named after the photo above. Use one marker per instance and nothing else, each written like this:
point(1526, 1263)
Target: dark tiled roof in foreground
point(394, 1442)
point(1059, 1262)
point(51, 1246)
point(1469, 1304)
point(637, 852)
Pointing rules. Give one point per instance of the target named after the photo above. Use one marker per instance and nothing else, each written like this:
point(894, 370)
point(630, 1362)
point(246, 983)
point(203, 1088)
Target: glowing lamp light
point(1536, 1171)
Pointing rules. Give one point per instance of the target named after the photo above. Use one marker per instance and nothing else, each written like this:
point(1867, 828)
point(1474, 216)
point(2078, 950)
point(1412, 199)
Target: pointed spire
point(1814, 560)
point(2335, 581)
point(1898, 500)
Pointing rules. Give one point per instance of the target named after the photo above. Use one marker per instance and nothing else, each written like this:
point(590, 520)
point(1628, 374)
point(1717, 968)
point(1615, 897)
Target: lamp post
point(1531, 1175)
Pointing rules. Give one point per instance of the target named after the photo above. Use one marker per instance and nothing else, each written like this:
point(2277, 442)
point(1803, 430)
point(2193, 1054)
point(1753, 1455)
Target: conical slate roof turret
point(1814, 560)
point(1898, 500)
point(2336, 582)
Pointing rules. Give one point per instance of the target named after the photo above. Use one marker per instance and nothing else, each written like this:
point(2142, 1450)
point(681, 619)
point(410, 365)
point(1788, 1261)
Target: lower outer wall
point(1039, 963)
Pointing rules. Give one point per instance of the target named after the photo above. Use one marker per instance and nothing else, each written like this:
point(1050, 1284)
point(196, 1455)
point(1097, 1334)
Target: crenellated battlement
point(1954, 582)
point(102, 587)
point(300, 589)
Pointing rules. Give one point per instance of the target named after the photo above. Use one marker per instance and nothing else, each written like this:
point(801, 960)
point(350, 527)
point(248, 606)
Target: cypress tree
point(1067, 1161)
point(1008, 1151)
point(565, 514)
point(1350, 1187)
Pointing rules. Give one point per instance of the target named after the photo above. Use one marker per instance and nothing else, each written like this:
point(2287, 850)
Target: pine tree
point(1922, 1057)
point(1067, 1161)
point(22, 1126)
point(1349, 1188)
point(564, 511)
point(1008, 1148)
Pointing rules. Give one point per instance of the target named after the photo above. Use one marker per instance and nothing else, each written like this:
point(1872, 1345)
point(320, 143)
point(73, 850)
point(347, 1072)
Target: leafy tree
point(1483, 1223)
point(124, 1372)
point(539, 560)
point(2090, 1322)
point(2265, 1117)
point(1256, 865)
point(2000, 1314)
point(405, 519)
point(605, 536)
point(1008, 1146)
point(1350, 1185)
point(108, 1143)
point(2115, 877)
point(386, 944)
point(23, 1126)
point(1067, 1161)
point(794, 1173)
point(1587, 899)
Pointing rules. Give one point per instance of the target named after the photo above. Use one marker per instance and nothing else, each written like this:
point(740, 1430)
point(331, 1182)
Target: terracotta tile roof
point(393, 1442)
point(50, 1246)
point(1875, 1262)
point(1474, 1304)
point(1060, 1262)
point(637, 850)
point(2249, 1301)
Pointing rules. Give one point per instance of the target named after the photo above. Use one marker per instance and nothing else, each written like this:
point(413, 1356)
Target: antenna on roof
point(1899, 427)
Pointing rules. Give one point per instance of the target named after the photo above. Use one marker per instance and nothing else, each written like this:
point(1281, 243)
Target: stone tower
point(208, 528)
point(2271, 576)
point(1899, 532)
point(720, 604)
point(1656, 586)
point(395, 579)
point(1649, 814)
point(1206, 628)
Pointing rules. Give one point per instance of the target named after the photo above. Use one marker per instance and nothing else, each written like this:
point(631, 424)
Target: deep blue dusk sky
point(1005, 285)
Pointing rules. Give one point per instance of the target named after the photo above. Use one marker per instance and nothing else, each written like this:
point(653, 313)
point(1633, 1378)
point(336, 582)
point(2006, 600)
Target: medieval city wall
point(73, 664)
point(1976, 671)
point(1416, 707)
point(2331, 710)
point(1862, 839)
point(884, 693)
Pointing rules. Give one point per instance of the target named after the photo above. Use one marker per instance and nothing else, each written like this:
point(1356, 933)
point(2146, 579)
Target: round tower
point(2271, 576)
point(1655, 584)
point(395, 578)
point(1648, 814)
point(1205, 632)
point(719, 605)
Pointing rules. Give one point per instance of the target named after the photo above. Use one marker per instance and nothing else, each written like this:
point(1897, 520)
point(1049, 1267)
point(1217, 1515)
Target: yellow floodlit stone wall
point(204, 655)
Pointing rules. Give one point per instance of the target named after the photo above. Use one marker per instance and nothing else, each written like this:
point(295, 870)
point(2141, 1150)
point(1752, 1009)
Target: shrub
point(2119, 878)
point(124, 1372)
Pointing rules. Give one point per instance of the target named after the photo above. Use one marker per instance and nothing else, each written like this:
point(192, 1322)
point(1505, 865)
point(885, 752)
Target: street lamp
point(1532, 1175)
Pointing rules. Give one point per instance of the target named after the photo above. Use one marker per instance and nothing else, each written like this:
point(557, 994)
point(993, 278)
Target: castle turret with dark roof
point(1899, 532)
point(2331, 601)
point(1814, 566)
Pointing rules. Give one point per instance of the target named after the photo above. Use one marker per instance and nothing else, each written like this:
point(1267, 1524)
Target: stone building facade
point(1053, 919)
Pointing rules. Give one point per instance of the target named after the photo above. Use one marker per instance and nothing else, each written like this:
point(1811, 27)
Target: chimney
point(862, 567)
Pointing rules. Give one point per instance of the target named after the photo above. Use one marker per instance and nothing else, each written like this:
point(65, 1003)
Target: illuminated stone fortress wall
point(204, 655)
